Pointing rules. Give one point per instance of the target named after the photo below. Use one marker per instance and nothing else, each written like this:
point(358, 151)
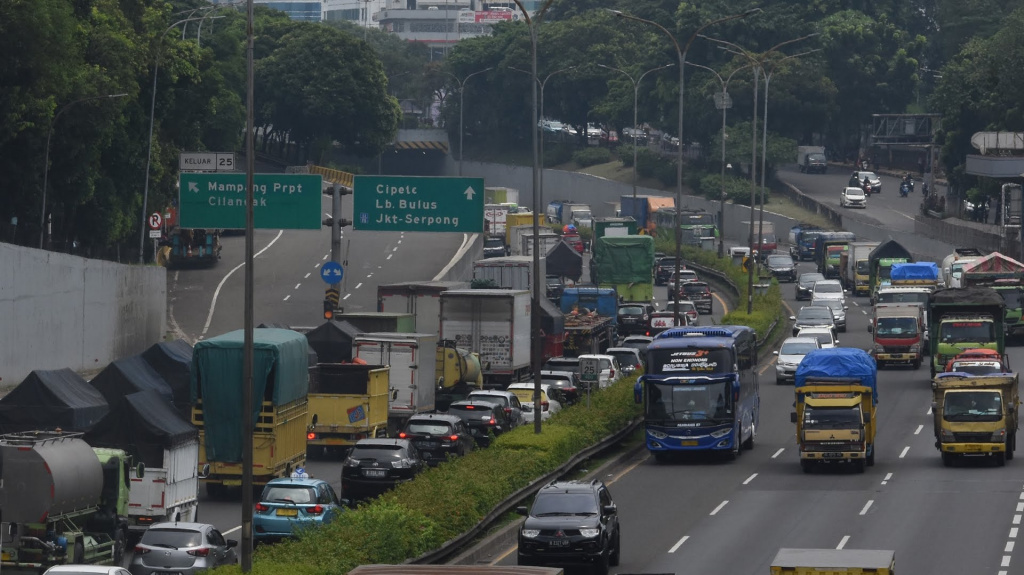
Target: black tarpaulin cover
point(564, 261)
point(129, 375)
point(332, 341)
point(47, 399)
point(172, 361)
point(144, 425)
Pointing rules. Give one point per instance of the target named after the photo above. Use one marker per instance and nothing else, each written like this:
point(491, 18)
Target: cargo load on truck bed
point(332, 341)
point(833, 562)
point(129, 375)
point(48, 399)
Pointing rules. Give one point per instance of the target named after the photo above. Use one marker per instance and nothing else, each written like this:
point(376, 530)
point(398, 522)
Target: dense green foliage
point(591, 156)
point(448, 500)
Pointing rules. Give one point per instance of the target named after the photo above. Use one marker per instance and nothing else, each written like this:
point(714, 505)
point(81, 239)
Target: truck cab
point(975, 416)
point(898, 331)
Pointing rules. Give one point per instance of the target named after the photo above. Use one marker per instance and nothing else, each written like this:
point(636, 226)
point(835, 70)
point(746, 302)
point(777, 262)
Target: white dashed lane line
point(286, 297)
point(918, 430)
point(678, 544)
point(346, 296)
point(904, 452)
point(779, 452)
point(842, 542)
point(719, 508)
point(359, 285)
point(867, 506)
point(749, 479)
point(888, 476)
point(297, 286)
point(307, 275)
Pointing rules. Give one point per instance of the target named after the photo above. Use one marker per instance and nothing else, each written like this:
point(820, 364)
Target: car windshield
point(378, 452)
point(815, 313)
point(831, 417)
point(797, 348)
point(827, 287)
point(289, 494)
point(631, 310)
point(561, 503)
point(688, 402)
point(816, 157)
point(691, 361)
point(893, 326)
point(958, 331)
point(428, 428)
point(976, 367)
point(836, 305)
point(494, 243)
point(495, 399)
point(562, 365)
point(624, 357)
point(854, 192)
point(695, 288)
point(172, 538)
point(972, 406)
point(780, 261)
point(809, 279)
point(823, 337)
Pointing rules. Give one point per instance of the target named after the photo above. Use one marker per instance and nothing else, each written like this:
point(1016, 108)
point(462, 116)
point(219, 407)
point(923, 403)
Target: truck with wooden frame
point(880, 262)
point(828, 248)
point(836, 397)
point(833, 562)
point(1005, 275)
point(280, 385)
point(347, 402)
point(63, 502)
point(964, 318)
point(975, 416)
point(626, 265)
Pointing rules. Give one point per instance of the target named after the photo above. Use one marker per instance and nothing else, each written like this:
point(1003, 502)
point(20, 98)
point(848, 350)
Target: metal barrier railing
point(335, 176)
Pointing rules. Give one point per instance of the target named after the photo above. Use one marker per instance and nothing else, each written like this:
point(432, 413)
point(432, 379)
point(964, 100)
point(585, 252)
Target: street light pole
point(681, 53)
point(46, 161)
point(636, 96)
point(149, 152)
point(726, 104)
point(462, 91)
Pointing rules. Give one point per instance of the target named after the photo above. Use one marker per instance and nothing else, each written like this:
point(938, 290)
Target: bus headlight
point(657, 434)
point(720, 433)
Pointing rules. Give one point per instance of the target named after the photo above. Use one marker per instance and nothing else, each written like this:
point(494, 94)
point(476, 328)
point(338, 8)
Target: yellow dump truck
point(836, 397)
point(347, 402)
point(833, 562)
point(975, 416)
point(458, 373)
point(280, 388)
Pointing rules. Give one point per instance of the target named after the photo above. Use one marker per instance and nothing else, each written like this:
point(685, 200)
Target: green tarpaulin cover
point(280, 375)
point(623, 259)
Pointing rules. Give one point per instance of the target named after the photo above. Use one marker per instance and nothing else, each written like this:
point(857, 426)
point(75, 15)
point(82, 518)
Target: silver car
point(182, 549)
point(790, 355)
point(839, 308)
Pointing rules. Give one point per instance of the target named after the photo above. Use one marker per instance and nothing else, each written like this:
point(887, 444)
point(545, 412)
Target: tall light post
point(542, 84)
point(462, 91)
point(536, 348)
point(636, 95)
point(725, 104)
point(46, 161)
point(681, 53)
point(758, 63)
point(149, 152)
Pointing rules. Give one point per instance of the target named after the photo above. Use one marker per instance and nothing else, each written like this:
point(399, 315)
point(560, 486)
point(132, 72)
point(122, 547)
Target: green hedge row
point(448, 500)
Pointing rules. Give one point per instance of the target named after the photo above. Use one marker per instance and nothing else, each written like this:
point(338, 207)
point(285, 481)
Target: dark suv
point(781, 267)
point(699, 293)
point(375, 465)
point(571, 523)
point(482, 418)
point(438, 436)
point(634, 318)
point(664, 270)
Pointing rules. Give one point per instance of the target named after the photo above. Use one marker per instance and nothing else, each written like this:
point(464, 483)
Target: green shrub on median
point(448, 500)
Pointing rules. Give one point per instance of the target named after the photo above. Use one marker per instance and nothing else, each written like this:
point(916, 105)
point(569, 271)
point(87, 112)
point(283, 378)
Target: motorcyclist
point(924, 189)
point(867, 186)
point(909, 179)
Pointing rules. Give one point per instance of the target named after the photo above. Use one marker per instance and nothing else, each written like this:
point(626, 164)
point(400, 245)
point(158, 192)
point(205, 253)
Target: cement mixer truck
point(63, 502)
point(458, 373)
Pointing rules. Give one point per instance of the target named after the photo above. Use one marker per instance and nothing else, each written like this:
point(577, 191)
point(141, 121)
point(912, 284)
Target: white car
point(629, 358)
point(685, 275)
point(548, 404)
point(824, 335)
point(86, 570)
point(637, 342)
point(853, 198)
point(828, 289)
point(608, 370)
point(790, 355)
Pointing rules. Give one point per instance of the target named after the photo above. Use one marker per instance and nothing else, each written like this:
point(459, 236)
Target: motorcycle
point(904, 189)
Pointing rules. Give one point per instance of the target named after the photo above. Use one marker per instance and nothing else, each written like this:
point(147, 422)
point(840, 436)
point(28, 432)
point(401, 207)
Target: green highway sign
point(217, 201)
point(418, 204)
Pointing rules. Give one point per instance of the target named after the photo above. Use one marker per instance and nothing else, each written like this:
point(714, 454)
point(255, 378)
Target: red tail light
point(201, 552)
point(508, 410)
point(456, 437)
point(140, 550)
point(262, 508)
point(544, 406)
point(311, 436)
point(403, 435)
point(315, 510)
point(492, 422)
point(611, 374)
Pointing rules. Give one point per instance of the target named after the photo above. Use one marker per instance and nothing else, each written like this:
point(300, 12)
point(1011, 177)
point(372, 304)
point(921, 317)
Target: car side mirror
point(522, 510)
point(846, 307)
point(792, 417)
point(204, 471)
point(775, 353)
point(792, 318)
point(140, 470)
point(871, 328)
point(232, 543)
point(609, 509)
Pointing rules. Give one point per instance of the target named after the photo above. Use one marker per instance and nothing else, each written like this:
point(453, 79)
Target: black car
point(375, 465)
point(781, 267)
point(494, 247)
point(482, 418)
point(553, 287)
point(634, 318)
point(699, 293)
point(664, 269)
point(571, 523)
point(567, 384)
point(438, 436)
point(805, 285)
point(814, 316)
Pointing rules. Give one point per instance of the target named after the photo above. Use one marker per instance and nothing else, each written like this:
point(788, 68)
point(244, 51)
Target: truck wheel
point(120, 543)
point(805, 465)
point(916, 365)
point(947, 459)
point(749, 443)
point(871, 458)
point(1001, 459)
point(860, 466)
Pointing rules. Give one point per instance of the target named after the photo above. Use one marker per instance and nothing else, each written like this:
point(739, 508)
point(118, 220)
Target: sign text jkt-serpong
point(418, 204)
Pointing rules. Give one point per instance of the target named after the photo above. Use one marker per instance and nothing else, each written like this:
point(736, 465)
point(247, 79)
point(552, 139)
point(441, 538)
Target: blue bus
point(700, 391)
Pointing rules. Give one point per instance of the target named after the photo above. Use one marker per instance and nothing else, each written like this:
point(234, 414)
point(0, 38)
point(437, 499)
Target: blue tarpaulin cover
point(845, 362)
point(914, 271)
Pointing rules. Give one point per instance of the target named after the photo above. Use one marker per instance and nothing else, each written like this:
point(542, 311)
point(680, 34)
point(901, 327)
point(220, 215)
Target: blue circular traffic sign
point(332, 272)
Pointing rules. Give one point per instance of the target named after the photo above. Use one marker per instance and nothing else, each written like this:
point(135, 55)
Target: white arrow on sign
point(193, 187)
point(469, 193)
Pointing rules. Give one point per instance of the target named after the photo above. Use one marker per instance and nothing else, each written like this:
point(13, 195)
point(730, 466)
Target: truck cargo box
point(494, 323)
point(412, 359)
point(420, 298)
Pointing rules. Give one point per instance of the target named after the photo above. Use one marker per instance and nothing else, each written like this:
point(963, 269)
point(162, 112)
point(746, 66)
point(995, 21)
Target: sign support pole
point(247, 354)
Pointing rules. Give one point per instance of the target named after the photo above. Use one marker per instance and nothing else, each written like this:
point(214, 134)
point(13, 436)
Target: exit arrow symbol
point(469, 193)
point(193, 187)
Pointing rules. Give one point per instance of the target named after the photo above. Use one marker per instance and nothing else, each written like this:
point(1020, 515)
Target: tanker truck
point(63, 502)
point(458, 373)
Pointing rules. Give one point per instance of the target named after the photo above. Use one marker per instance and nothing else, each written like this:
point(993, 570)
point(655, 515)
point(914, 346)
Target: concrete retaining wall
point(62, 311)
point(965, 236)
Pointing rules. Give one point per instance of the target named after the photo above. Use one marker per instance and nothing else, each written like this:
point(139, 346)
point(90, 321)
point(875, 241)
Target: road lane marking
point(779, 452)
point(307, 275)
point(749, 479)
point(1005, 562)
point(842, 542)
point(394, 249)
point(359, 285)
point(1013, 533)
point(721, 302)
point(864, 312)
point(888, 476)
point(720, 506)
point(399, 241)
point(627, 470)
point(286, 297)
point(678, 544)
point(467, 239)
point(919, 428)
point(770, 363)
point(232, 530)
point(389, 256)
point(346, 296)
point(1009, 547)
point(315, 266)
point(867, 506)
point(904, 452)
point(1020, 508)
point(1016, 519)
point(297, 286)
point(929, 412)
point(216, 292)
point(326, 256)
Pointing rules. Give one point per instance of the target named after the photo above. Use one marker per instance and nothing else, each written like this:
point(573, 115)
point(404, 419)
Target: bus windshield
point(691, 361)
point(688, 402)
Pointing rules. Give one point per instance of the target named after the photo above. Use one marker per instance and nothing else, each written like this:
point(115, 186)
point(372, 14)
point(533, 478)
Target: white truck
point(512, 272)
point(811, 159)
point(954, 264)
point(856, 272)
point(421, 299)
point(548, 240)
point(413, 361)
point(494, 323)
point(580, 215)
point(495, 216)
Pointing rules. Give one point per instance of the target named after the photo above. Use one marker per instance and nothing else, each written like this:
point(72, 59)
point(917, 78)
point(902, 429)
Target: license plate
point(288, 512)
point(688, 442)
point(831, 454)
point(972, 449)
point(374, 472)
point(559, 543)
point(428, 445)
point(5, 556)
